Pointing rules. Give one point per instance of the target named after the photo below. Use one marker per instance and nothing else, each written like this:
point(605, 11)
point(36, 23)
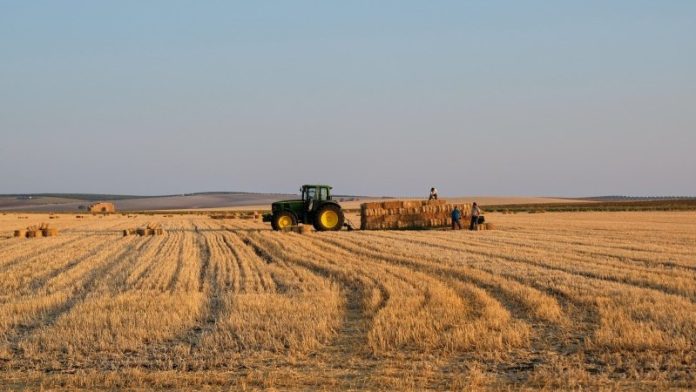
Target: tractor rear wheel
point(329, 217)
point(283, 219)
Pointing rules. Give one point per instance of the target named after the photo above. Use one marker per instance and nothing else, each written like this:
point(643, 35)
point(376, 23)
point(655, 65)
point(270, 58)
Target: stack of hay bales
point(150, 229)
point(37, 231)
point(236, 215)
point(249, 215)
point(102, 207)
point(409, 214)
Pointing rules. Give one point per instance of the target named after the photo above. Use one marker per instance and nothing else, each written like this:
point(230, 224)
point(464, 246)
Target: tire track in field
point(40, 280)
point(145, 264)
point(610, 238)
point(475, 249)
point(588, 292)
point(35, 250)
point(592, 250)
point(21, 277)
point(218, 278)
point(435, 293)
point(38, 247)
point(563, 339)
point(520, 362)
point(88, 282)
point(159, 271)
point(252, 264)
point(349, 345)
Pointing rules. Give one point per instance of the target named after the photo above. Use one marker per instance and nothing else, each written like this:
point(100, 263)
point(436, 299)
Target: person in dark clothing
point(475, 213)
point(456, 218)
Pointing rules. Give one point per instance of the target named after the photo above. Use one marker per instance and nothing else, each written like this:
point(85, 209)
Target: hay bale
point(126, 232)
point(50, 232)
point(140, 232)
point(410, 214)
point(149, 231)
point(305, 229)
point(159, 231)
point(489, 226)
point(21, 233)
point(102, 208)
point(34, 233)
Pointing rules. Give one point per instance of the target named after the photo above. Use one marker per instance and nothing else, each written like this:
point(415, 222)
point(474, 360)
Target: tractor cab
point(313, 195)
point(315, 207)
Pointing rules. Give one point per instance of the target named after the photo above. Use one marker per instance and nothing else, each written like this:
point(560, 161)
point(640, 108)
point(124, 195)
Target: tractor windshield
point(323, 194)
point(309, 194)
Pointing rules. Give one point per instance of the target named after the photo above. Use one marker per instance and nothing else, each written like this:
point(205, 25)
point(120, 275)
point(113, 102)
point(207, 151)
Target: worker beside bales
point(475, 213)
point(456, 218)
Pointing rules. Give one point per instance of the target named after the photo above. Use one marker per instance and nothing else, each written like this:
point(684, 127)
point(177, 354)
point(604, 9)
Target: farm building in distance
point(102, 207)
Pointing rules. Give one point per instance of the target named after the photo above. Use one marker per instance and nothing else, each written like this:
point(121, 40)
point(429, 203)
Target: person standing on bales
point(475, 213)
point(433, 194)
point(456, 218)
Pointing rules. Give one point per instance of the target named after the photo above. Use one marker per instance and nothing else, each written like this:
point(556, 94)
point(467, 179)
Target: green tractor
point(316, 207)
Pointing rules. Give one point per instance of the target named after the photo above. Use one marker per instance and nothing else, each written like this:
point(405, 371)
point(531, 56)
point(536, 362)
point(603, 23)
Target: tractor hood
point(286, 203)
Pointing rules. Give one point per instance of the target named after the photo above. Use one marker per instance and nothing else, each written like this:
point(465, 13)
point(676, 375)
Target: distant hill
point(66, 202)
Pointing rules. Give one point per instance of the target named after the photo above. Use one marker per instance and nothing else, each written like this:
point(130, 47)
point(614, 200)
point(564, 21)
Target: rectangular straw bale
point(409, 214)
point(392, 204)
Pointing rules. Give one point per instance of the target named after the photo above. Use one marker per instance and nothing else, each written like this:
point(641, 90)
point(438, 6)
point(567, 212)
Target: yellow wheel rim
point(329, 219)
point(284, 221)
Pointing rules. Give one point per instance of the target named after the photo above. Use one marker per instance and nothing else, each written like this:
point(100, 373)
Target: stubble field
point(547, 300)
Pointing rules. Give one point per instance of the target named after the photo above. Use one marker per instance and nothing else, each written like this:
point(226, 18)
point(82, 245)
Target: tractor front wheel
point(329, 217)
point(282, 220)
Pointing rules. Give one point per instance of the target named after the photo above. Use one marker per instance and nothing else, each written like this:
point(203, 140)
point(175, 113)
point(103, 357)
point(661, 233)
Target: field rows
point(555, 300)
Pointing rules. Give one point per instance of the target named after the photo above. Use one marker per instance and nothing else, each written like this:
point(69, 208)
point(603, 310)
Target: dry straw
point(409, 214)
point(50, 232)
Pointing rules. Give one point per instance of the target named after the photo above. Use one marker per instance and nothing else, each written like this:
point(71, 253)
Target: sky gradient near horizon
point(375, 98)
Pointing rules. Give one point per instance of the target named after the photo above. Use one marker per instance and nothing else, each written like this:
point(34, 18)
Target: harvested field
point(556, 300)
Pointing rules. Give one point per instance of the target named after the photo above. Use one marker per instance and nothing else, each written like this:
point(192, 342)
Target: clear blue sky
point(375, 97)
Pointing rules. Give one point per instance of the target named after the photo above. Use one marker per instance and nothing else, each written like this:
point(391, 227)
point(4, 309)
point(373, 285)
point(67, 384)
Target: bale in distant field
point(21, 233)
point(50, 232)
point(140, 232)
point(102, 207)
point(34, 233)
